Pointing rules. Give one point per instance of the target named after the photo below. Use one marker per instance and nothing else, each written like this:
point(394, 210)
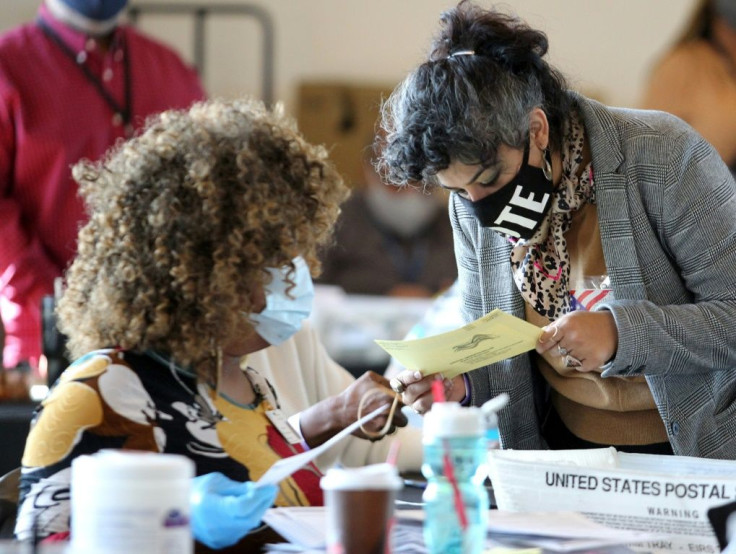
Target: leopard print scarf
point(541, 265)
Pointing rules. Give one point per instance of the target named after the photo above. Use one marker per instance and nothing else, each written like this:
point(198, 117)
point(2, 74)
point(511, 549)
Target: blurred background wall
point(605, 46)
point(334, 59)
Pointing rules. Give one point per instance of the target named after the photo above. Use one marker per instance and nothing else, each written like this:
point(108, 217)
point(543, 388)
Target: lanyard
point(122, 114)
point(208, 412)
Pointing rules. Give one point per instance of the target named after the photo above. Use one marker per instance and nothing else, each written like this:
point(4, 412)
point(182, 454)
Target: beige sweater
point(614, 410)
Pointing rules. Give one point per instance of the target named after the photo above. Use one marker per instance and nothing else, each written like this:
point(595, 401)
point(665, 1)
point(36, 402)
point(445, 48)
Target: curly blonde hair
point(184, 219)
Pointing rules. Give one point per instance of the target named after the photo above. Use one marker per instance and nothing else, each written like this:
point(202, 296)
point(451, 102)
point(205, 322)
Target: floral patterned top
point(116, 399)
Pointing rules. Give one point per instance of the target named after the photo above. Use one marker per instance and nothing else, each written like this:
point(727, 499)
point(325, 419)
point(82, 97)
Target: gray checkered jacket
point(667, 214)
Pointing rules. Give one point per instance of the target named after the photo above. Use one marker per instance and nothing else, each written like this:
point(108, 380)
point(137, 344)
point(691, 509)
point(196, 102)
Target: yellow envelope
point(491, 338)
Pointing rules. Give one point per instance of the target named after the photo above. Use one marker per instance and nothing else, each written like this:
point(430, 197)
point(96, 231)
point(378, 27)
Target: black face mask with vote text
point(518, 209)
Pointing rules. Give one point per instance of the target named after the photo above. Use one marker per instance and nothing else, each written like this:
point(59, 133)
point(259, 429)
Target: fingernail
point(417, 375)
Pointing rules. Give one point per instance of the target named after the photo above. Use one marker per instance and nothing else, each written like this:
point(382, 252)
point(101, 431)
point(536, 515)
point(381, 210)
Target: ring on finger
point(397, 386)
point(562, 350)
point(555, 333)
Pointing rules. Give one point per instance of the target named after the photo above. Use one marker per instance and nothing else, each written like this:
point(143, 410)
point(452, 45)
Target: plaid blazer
point(667, 215)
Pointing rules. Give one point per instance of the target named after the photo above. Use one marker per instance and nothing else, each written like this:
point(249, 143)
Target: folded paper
point(491, 338)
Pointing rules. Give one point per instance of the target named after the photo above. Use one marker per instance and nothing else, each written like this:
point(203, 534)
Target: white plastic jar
point(125, 502)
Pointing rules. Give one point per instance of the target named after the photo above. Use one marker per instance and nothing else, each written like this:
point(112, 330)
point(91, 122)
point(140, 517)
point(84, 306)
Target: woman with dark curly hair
point(202, 236)
point(612, 229)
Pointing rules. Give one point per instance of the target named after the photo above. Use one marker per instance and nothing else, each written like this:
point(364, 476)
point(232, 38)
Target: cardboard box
point(343, 117)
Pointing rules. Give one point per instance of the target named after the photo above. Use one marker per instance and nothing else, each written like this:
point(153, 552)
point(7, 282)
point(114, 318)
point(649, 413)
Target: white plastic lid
point(116, 465)
point(450, 419)
point(374, 477)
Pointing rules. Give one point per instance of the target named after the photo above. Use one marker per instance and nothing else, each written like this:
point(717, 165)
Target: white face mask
point(283, 315)
point(405, 214)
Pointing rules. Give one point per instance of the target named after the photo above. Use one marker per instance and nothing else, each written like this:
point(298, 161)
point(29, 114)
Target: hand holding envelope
point(491, 338)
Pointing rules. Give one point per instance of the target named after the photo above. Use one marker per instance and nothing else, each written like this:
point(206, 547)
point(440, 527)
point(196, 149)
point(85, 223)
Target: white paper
point(556, 532)
point(303, 526)
point(286, 466)
point(560, 525)
point(600, 458)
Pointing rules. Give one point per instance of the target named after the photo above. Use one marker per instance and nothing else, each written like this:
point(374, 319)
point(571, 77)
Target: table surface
point(254, 542)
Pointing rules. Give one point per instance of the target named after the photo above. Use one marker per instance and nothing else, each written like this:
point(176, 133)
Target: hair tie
point(374, 435)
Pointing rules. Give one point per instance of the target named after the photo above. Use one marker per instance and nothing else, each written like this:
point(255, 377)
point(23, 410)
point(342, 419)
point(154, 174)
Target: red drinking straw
point(438, 394)
point(393, 452)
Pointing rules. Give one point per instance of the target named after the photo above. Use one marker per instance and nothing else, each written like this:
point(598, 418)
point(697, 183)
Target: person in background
point(184, 311)
point(72, 83)
point(613, 230)
point(390, 242)
point(696, 77)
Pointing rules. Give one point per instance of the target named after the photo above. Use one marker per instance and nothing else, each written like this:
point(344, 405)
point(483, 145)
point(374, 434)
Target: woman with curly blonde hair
point(202, 235)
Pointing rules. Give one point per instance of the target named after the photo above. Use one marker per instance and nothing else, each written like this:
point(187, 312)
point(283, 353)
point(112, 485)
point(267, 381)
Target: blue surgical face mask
point(98, 10)
point(94, 17)
point(283, 315)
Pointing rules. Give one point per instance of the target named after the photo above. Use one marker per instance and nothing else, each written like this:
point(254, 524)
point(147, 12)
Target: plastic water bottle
point(456, 515)
point(490, 410)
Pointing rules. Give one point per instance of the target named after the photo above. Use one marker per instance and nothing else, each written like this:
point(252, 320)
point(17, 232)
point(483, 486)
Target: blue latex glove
point(224, 511)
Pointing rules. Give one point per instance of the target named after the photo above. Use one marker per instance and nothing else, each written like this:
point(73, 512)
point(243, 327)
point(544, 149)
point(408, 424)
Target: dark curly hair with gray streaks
point(184, 220)
point(462, 107)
